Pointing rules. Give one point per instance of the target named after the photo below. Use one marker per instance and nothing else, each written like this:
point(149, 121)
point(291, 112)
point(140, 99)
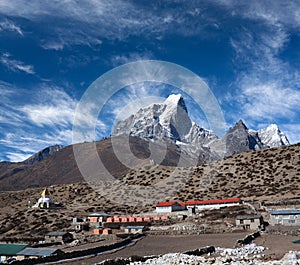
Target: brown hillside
point(266, 175)
point(19, 222)
point(61, 167)
point(270, 174)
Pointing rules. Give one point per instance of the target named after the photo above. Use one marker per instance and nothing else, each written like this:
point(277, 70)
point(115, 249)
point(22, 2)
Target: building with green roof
point(10, 250)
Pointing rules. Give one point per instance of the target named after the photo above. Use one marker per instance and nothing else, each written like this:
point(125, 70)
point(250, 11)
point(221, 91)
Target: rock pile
point(242, 253)
point(250, 254)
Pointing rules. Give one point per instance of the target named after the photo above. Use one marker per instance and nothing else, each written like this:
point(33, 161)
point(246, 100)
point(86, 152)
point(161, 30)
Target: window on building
point(252, 220)
point(291, 221)
point(241, 221)
point(286, 217)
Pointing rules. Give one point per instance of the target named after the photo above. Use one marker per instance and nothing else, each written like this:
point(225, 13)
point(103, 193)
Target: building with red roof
point(213, 204)
point(168, 207)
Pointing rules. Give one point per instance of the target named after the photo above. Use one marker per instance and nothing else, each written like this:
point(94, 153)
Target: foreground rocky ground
point(291, 258)
point(251, 254)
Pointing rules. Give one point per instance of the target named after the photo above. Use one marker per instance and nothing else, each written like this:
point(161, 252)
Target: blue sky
point(51, 51)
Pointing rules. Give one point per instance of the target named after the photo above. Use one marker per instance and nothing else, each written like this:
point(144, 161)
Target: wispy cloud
point(16, 157)
point(270, 102)
point(30, 123)
point(267, 86)
point(120, 59)
point(21, 144)
point(8, 25)
point(55, 107)
point(15, 65)
point(95, 21)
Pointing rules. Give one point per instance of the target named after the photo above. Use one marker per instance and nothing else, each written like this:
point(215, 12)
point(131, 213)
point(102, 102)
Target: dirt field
point(155, 245)
point(277, 246)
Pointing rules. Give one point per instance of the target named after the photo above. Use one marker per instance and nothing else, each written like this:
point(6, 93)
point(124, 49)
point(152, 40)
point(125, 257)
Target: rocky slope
point(265, 175)
point(43, 154)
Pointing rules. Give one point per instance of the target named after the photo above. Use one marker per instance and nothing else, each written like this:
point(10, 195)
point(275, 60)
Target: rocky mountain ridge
point(41, 155)
point(169, 121)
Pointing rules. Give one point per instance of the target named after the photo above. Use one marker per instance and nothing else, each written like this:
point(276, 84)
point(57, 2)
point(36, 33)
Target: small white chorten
point(44, 201)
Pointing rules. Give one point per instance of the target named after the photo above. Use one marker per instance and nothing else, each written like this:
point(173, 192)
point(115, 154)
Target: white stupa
point(44, 201)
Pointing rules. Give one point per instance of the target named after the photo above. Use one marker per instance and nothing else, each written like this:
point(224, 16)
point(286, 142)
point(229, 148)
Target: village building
point(288, 217)
point(102, 231)
point(168, 207)
point(249, 222)
point(9, 251)
point(80, 224)
point(29, 253)
point(58, 237)
point(98, 217)
point(134, 229)
point(213, 204)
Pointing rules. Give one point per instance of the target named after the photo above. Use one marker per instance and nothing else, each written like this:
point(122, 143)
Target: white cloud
point(268, 11)
point(22, 144)
point(267, 86)
point(15, 65)
point(16, 157)
point(8, 25)
point(93, 21)
point(132, 57)
point(30, 123)
point(53, 45)
point(269, 102)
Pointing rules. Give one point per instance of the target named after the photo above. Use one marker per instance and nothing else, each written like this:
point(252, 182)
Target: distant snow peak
point(272, 136)
point(173, 99)
point(170, 121)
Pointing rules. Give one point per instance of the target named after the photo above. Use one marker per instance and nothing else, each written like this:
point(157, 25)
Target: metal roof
point(164, 204)
point(134, 227)
point(39, 252)
point(248, 217)
point(285, 212)
point(11, 249)
point(172, 203)
point(57, 233)
point(99, 214)
point(205, 202)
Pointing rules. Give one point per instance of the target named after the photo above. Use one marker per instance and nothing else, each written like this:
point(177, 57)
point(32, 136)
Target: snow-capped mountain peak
point(272, 136)
point(170, 121)
point(173, 99)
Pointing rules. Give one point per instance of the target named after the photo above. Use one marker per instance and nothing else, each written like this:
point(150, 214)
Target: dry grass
point(270, 174)
point(79, 200)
